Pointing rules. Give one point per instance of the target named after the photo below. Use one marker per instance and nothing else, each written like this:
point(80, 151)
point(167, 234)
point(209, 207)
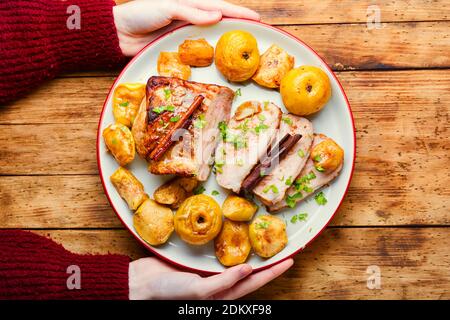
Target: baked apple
point(267, 235)
point(232, 245)
point(126, 101)
point(238, 209)
point(305, 90)
point(120, 142)
point(153, 222)
point(129, 188)
point(198, 220)
point(170, 65)
point(274, 65)
point(237, 55)
point(196, 53)
point(327, 156)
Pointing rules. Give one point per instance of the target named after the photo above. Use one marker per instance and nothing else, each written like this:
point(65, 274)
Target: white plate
point(335, 120)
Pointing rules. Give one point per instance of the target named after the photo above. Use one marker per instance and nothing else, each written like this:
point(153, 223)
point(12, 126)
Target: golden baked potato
point(198, 220)
point(232, 245)
point(238, 209)
point(153, 222)
point(305, 90)
point(274, 64)
point(170, 65)
point(126, 101)
point(237, 55)
point(196, 53)
point(120, 142)
point(128, 187)
point(175, 191)
point(327, 155)
point(267, 235)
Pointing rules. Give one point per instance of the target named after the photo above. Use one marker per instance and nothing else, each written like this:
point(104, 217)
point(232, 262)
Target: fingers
point(227, 9)
point(210, 286)
point(194, 15)
point(255, 281)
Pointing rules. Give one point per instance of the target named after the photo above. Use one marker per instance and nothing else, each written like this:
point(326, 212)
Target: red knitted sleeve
point(41, 38)
point(34, 267)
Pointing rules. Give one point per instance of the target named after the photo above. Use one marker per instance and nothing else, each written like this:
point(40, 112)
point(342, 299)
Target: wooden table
point(396, 213)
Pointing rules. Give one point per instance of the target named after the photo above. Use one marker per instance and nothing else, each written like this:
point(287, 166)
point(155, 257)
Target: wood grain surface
point(413, 262)
point(396, 213)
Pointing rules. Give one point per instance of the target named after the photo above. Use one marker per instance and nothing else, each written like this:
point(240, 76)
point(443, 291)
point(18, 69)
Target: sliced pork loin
point(245, 141)
point(169, 100)
point(309, 181)
point(273, 187)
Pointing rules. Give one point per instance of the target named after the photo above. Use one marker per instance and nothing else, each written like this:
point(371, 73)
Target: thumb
point(194, 15)
point(225, 280)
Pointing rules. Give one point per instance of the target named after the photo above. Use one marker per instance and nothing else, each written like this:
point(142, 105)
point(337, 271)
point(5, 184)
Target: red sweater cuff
point(94, 45)
point(34, 267)
point(40, 38)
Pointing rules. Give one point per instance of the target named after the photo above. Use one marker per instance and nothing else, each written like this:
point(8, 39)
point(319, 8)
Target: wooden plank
point(412, 262)
point(48, 149)
point(411, 45)
point(54, 202)
point(329, 11)
point(403, 144)
point(395, 45)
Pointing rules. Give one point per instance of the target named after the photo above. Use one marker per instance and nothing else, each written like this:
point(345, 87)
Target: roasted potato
point(120, 142)
point(175, 191)
point(128, 187)
point(198, 220)
point(153, 222)
point(238, 209)
point(273, 66)
point(126, 101)
point(232, 245)
point(170, 65)
point(196, 53)
point(267, 235)
point(327, 156)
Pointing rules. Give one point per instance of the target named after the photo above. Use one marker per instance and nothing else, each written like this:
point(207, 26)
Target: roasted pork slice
point(273, 186)
point(313, 176)
point(176, 128)
point(245, 141)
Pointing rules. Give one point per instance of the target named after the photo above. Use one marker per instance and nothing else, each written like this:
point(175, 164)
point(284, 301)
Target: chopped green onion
point(317, 158)
point(287, 120)
point(301, 153)
point(167, 93)
point(215, 193)
point(320, 168)
point(175, 119)
point(320, 199)
point(124, 104)
point(262, 225)
point(261, 127)
point(199, 190)
point(288, 181)
point(200, 122)
point(238, 93)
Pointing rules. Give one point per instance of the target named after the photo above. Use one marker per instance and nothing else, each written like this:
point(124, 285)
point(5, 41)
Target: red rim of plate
point(207, 272)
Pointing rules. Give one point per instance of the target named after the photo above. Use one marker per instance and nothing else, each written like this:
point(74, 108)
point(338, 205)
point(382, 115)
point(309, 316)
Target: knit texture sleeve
point(34, 267)
point(41, 38)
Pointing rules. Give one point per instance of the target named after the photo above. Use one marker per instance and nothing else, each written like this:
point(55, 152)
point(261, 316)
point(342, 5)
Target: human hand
point(150, 278)
point(137, 21)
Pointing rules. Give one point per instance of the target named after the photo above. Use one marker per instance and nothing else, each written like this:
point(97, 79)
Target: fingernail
point(245, 270)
